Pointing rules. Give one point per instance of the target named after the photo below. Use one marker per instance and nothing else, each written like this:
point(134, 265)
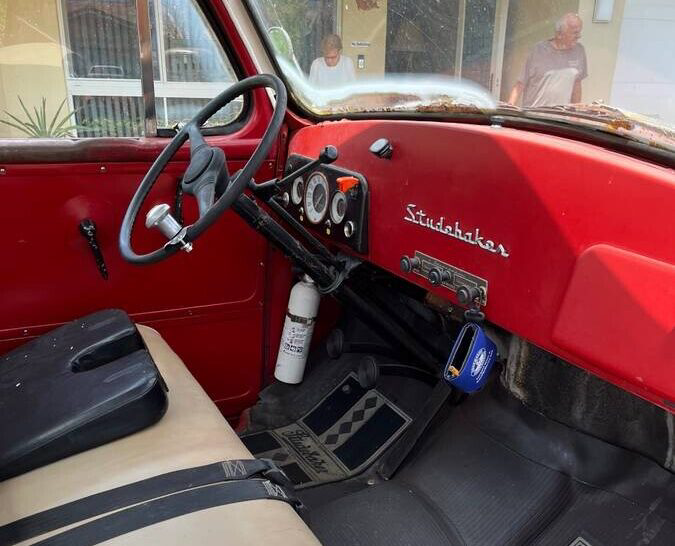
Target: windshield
point(606, 64)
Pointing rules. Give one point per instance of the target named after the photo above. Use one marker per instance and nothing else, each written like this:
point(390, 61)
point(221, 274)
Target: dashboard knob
point(409, 264)
point(438, 276)
point(382, 148)
point(466, 294)
point(328, 155)
point(349, 229)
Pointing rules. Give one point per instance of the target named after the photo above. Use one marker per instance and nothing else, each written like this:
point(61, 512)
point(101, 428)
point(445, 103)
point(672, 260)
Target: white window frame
point(125, 87)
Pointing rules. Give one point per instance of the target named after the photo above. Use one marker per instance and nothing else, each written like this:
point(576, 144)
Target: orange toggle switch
point(346, 183)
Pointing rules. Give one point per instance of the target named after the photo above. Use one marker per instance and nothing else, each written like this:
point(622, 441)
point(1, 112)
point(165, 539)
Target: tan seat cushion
point(192, 433)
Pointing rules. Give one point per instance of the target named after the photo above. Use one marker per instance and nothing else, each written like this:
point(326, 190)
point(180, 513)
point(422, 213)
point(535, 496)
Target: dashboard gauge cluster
point(329, 200)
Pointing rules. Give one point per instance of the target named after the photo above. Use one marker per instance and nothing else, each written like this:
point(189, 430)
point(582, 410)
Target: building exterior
point(86, 53)
point(487, 41)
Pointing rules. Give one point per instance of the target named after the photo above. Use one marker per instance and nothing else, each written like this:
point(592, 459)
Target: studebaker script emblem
point(417, 216)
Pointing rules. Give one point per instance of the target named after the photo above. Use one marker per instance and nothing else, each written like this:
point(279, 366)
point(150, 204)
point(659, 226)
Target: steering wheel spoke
point(206, 177)
point(197, 140)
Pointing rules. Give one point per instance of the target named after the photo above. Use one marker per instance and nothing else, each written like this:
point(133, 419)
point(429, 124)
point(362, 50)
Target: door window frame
point(162, 88)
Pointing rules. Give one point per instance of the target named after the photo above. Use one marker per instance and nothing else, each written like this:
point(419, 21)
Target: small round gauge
point(338, 207)
point(316, 198)
point(297, 190)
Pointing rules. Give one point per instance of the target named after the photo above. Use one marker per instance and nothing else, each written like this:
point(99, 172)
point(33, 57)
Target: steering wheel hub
point(206, 177)
point(198, 164)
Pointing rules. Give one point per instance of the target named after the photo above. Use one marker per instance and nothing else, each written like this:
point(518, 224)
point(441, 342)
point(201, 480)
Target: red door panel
point(208, 304)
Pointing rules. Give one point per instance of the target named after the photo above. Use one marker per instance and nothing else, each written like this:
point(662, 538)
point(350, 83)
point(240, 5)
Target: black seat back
point(84, 384)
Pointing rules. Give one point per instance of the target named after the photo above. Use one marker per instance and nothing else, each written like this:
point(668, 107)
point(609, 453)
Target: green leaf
point(21, 128)
point(43, 119)
point(40, 117)
point(66, 130)
point(30, 118)
point(23, 123)
point(58, 111)
point(65, 119)
point(38, 124)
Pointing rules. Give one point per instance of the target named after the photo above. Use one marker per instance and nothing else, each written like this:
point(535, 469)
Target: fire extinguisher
point(303, 306)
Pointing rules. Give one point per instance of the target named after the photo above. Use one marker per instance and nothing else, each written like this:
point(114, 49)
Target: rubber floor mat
point(338, 438)
point(496, 473)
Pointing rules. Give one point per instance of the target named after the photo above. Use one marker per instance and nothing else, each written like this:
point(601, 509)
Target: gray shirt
point(549, 74)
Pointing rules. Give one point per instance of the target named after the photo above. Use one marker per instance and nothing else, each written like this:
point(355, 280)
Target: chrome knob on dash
point(382, 148)
point(284, 199)
point(467, 294)
point(409, 264)
point(439, 276)
point(160, 217)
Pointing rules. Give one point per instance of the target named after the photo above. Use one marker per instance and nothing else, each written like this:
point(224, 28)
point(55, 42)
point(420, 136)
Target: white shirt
point(322, 75)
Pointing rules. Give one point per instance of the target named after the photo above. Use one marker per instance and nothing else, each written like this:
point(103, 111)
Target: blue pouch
point(471, 359)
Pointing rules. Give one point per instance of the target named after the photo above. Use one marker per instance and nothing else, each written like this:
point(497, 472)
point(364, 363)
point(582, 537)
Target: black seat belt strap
point(165, 508)
point(141, 491)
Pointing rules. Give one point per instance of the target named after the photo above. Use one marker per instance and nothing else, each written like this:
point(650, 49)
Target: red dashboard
point(575, 243)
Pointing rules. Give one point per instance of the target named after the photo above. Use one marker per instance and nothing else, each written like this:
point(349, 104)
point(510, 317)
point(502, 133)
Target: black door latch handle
point(88, 230)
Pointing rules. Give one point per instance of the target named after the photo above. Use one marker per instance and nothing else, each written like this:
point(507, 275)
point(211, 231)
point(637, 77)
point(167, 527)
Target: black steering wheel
point(206, 176)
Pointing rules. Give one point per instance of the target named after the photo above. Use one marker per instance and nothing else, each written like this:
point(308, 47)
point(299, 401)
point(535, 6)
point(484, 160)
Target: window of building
point(71, 68)
point(557, 60)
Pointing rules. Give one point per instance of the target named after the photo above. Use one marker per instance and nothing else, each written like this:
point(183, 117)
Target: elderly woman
point(332, 68)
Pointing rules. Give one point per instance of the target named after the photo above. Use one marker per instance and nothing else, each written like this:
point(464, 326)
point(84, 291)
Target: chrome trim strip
point(147, 76)
point(458, 277)
point(248, 31)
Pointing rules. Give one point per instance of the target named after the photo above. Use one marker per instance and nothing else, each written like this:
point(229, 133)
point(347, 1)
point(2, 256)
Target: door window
point(71, 68)
point(189, 66)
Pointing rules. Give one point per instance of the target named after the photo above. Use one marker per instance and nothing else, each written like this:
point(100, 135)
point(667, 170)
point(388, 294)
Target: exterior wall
point(529, 22)
point(644, 81)
point(31, 59)
point(365, 26)
point(601, 41)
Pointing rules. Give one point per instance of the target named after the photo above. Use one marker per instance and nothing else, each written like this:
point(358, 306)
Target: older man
point(554, 68)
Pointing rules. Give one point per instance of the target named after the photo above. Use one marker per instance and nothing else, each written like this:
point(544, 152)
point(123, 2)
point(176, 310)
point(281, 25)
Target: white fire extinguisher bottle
point(303, 306)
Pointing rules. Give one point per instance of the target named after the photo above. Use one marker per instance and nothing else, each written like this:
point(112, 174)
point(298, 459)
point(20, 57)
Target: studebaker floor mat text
point(340, 437)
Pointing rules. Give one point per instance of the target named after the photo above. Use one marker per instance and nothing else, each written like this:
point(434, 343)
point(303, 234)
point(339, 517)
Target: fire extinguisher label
point(296, 336)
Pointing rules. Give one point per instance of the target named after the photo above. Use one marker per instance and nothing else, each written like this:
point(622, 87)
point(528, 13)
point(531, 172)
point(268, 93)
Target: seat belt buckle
point(277, 476)
point(283, 487)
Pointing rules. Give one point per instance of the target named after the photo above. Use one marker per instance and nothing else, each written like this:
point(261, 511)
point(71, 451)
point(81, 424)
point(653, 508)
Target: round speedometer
point(316, 198)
